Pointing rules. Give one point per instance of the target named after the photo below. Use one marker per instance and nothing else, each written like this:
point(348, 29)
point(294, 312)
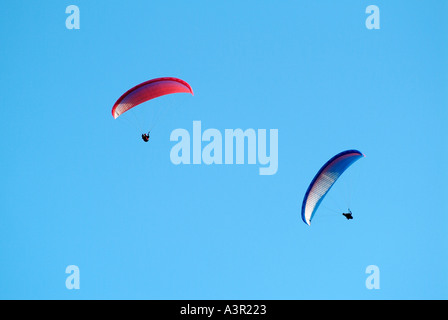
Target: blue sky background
point(79, 187)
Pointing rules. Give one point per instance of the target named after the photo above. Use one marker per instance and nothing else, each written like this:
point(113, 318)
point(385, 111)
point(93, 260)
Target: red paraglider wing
point(149, 90)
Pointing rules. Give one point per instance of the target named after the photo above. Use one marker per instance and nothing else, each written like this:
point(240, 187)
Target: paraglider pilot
point(145, 136)
point(348, 215)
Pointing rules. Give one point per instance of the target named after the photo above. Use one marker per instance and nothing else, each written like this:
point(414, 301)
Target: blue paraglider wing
point(324, 180)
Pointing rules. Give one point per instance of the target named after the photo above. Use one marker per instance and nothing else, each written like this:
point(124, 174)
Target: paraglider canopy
point(149, 90)
point(324, 180)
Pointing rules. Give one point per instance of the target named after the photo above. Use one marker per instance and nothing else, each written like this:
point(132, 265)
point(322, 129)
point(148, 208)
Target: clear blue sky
point(80, 188)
